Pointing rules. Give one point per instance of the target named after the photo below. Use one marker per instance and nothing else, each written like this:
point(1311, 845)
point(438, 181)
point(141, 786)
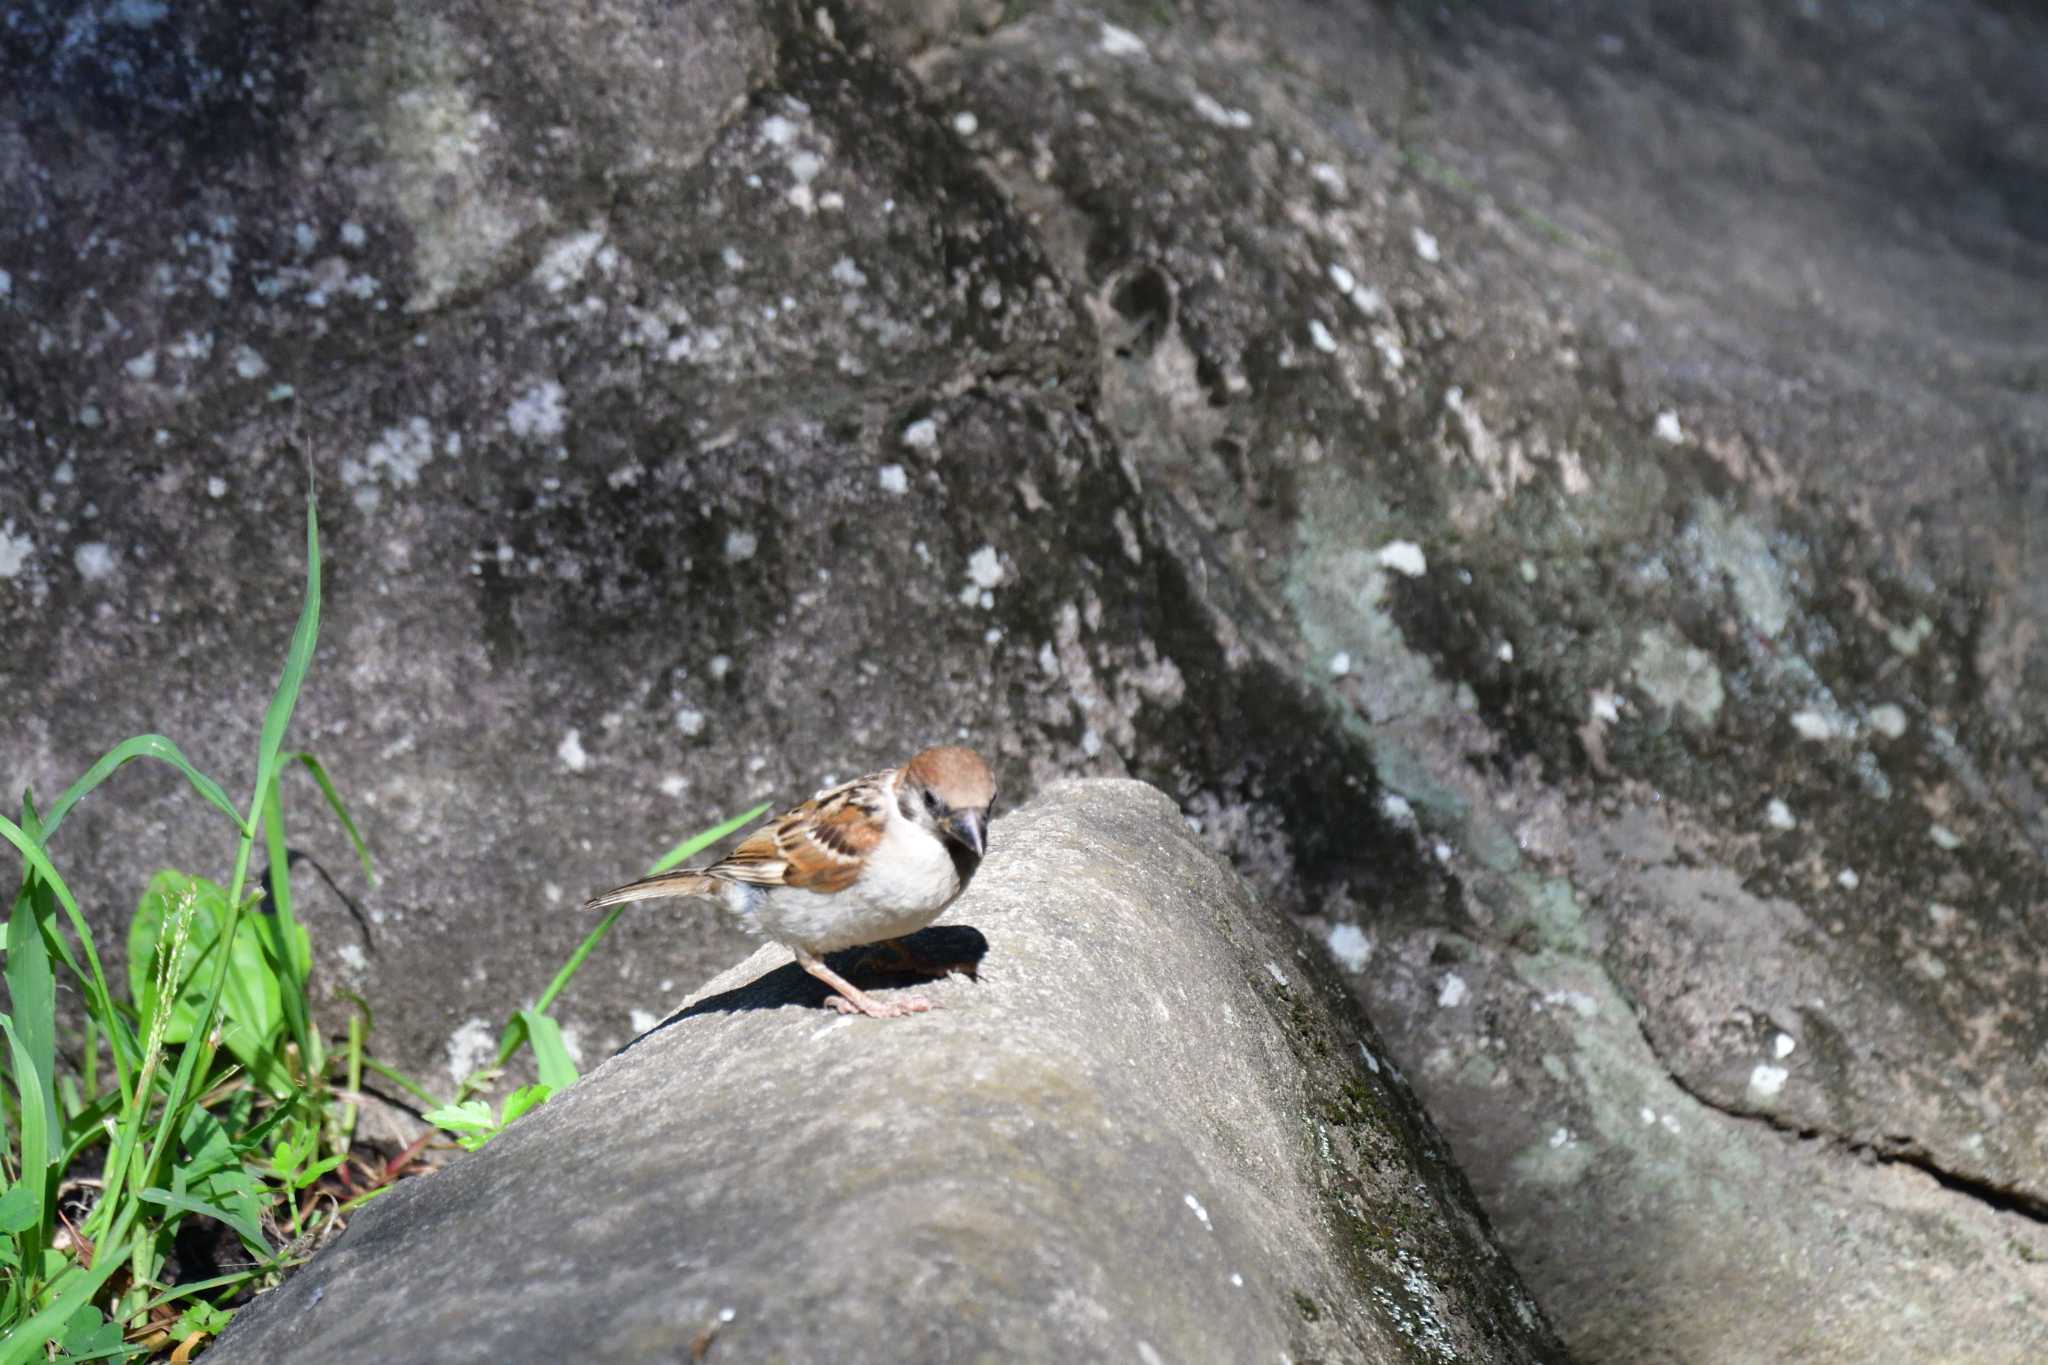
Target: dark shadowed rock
point(1154, 1129)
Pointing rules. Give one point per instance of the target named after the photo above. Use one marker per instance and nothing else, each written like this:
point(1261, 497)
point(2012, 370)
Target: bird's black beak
point(968, 829)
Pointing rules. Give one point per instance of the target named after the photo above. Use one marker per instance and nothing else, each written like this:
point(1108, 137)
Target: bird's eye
point(931, 802)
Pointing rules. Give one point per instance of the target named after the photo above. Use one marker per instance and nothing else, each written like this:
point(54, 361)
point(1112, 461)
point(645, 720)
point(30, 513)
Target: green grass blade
point(289, 951)
point(122, 1042)
point(26, 1342)
point(688, 848)
point(35, 1143)
point(402, 1081)
point(142, 746)
point(32, 991)
point(697, 843)
point(298, 658)
point(516, 1032)
point(334, 803)
point(550, 1055)
point(245, 1228)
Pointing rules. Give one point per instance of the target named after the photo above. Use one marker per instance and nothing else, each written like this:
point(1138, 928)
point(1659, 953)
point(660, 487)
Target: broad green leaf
point(19, 1209)
point(200, 1316)
point(550, 1054)
point(468, 1117)
point(524, 1098)
point(89, 1336)
point(471, 1121)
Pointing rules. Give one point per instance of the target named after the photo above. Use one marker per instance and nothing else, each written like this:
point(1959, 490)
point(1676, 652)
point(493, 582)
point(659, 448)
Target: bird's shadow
point(941, 949)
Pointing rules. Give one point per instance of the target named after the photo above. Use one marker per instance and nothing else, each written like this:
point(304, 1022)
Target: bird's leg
point(850, 999)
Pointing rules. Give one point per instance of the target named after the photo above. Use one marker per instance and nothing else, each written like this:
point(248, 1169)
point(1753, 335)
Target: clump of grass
point(222, 1108)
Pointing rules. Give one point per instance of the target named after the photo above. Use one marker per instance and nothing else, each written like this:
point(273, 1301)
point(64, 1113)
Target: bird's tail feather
point(683, 883)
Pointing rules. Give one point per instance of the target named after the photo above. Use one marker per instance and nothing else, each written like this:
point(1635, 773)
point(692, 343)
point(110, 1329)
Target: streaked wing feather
point(819, 846)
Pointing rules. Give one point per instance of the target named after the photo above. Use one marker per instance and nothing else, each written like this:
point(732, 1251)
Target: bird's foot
point(848, 998)
point(863, 1003)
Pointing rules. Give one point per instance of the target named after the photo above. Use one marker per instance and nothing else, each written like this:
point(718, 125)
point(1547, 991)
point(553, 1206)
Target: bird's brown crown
point(956, 774)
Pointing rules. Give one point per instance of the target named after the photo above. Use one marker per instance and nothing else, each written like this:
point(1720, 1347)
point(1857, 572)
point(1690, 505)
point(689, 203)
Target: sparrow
point(872, 859)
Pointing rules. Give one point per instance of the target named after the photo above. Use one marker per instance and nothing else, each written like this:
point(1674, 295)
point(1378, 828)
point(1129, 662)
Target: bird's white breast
point(907, 883)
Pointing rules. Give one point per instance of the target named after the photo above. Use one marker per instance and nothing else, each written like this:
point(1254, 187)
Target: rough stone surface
point(1155, 1128)
point(1556, 502)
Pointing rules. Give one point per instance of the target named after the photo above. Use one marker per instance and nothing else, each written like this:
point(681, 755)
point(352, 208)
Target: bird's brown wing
point(819, 846)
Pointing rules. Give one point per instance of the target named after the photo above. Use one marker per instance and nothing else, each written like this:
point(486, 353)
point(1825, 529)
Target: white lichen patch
point(1273, 970)
point(923, 434)
point(640, 1021)
point(1121, 42)
point(95, 560)
point(1397, 810)
point(1213, 110)
point(1888, 720)
point(570, 752)
point(395, 457)
point(1403, 557)
point(1340, 663)
point(1765, 1080)
point(566, 260)
point(1732, 545)
point(965, 123)
point(1847, 879)
point(248, 363)
point(1667, 429)
point(1778, 815)
point(1452, 992)
point(985, 568)
point(470, 1047)
point(537, 414)
point(1678, 675)
point(1908, 639)
point(442, 164)
point(690, 721)
point(1350, 946)
point(1944, 837)
point(1814, 725)
point(893, 479)
point(740, 545)
point(1426, 246)
point(1319, 336)
point(1195, 1207)
point(14, 550)
point(1783, 1046)
point(1578, 1002)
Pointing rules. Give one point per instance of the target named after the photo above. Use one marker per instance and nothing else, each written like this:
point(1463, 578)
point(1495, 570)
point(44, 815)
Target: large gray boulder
point(1154, 1128)
point(1557, 503)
